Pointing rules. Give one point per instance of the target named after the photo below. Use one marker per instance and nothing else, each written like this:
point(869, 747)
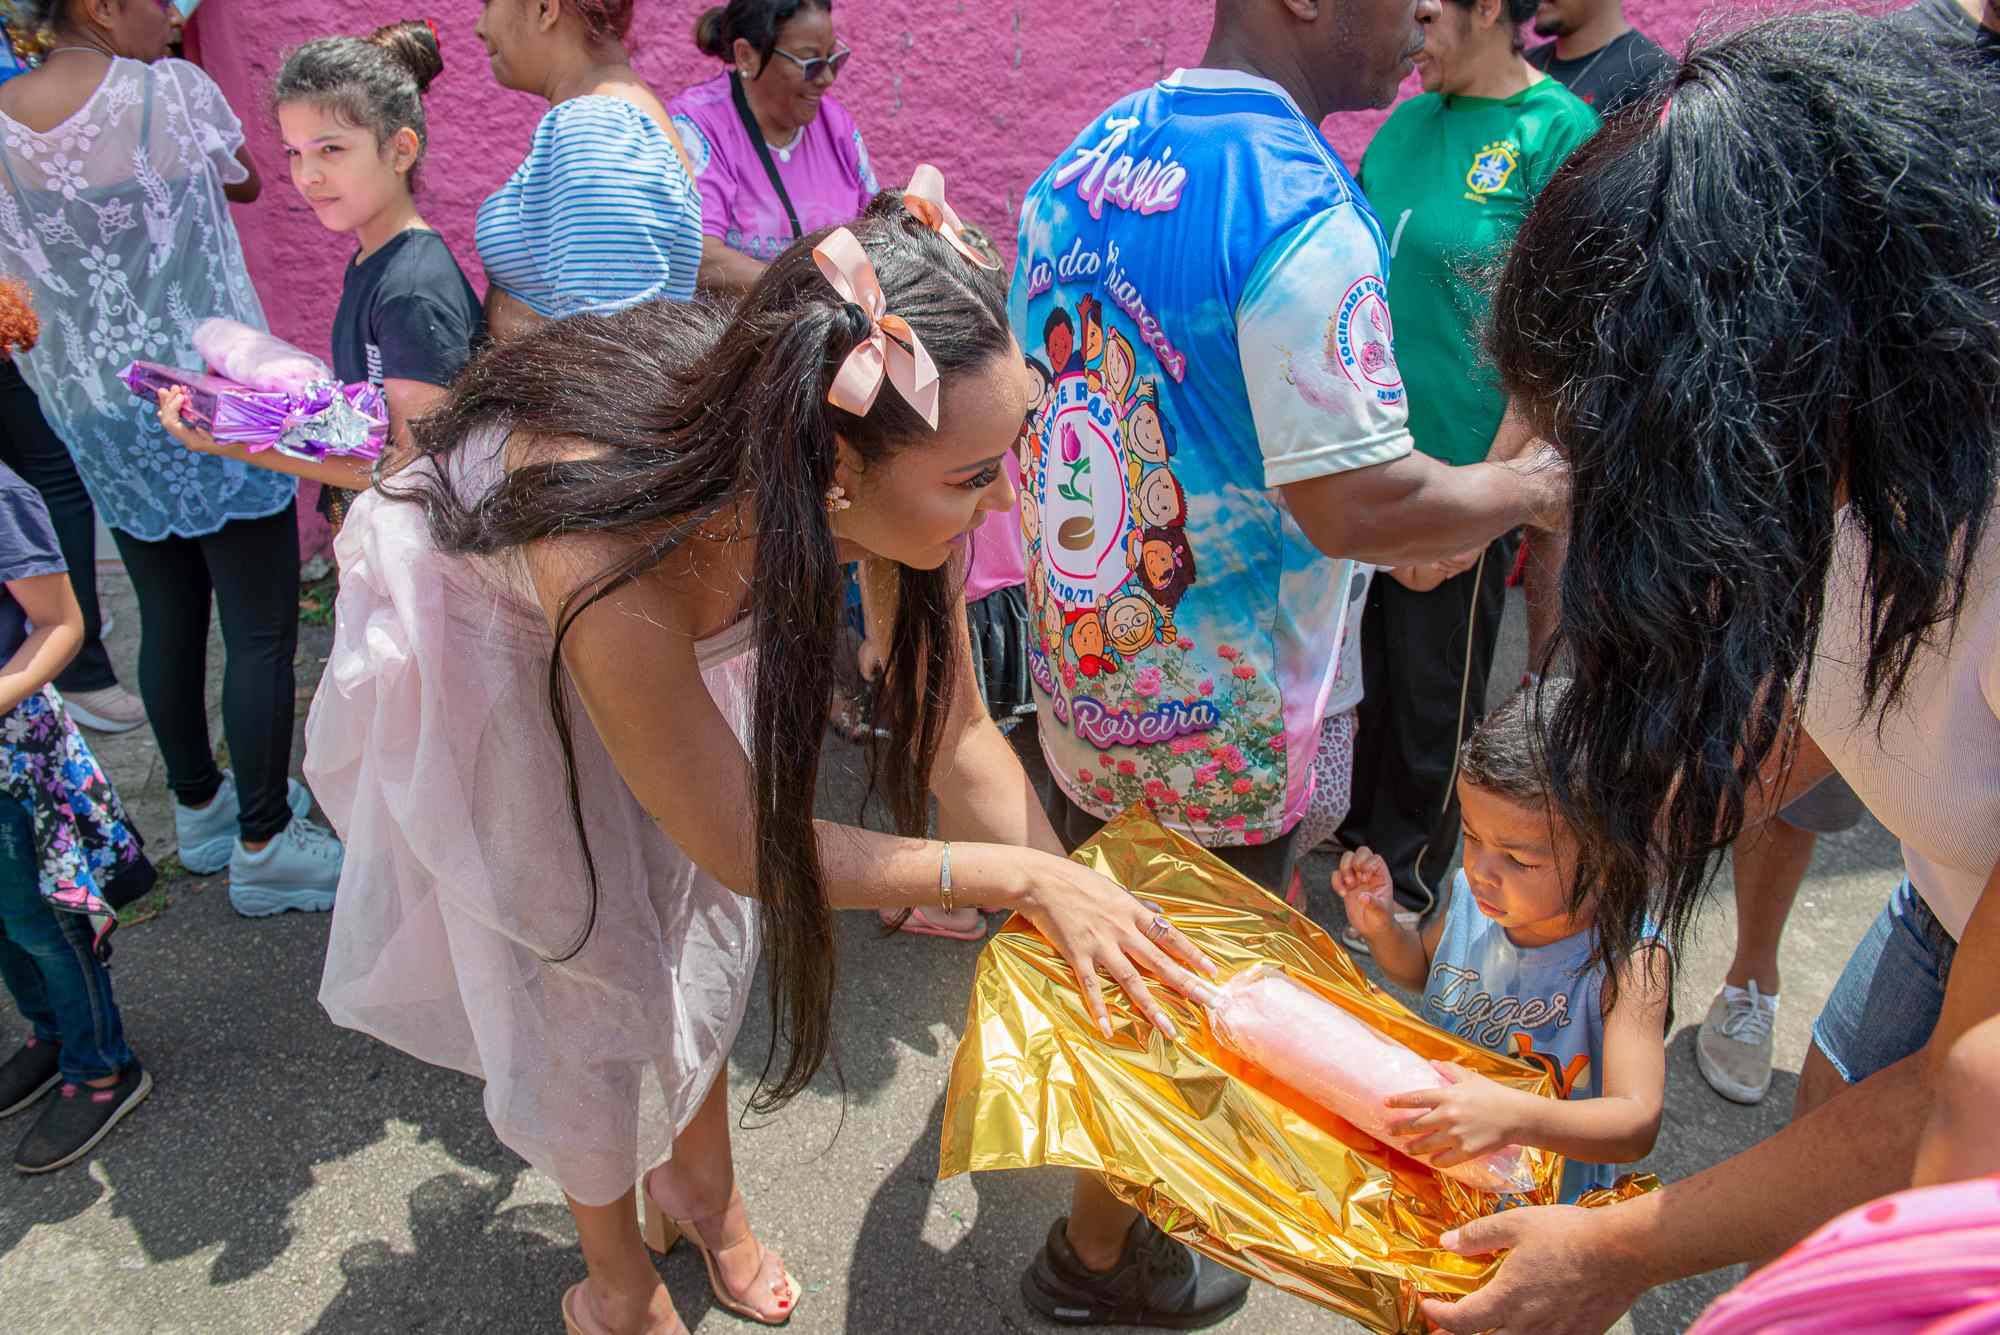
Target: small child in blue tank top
point(1507, 964)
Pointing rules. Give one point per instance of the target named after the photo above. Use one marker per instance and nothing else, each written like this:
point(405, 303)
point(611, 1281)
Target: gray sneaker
point(1733, 1048)
point(297, 870)
point(207, 836)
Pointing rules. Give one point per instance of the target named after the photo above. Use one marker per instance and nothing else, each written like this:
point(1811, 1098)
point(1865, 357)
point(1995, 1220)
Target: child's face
point(341, 171)
point(1517, 862)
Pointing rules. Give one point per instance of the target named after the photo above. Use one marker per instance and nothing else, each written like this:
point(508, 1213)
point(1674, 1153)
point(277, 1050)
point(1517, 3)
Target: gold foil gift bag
point(1215, 1152)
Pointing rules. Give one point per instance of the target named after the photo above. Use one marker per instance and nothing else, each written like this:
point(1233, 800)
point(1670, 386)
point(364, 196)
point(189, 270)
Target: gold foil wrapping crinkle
point(1214, 1152)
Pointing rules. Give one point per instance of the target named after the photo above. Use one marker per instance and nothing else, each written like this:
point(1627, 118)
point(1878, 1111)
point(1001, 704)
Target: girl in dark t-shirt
point(352, 114)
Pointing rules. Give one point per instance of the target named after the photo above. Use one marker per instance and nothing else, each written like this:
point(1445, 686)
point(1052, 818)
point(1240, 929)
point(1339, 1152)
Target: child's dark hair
point(1508, 755)
point(1507, 752)
point(376, 83)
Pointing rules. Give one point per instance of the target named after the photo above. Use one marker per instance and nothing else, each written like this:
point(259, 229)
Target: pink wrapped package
point(1305, 1041)
point(252, 357)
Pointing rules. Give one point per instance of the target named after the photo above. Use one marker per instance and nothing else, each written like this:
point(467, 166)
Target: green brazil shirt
point(1451, 179)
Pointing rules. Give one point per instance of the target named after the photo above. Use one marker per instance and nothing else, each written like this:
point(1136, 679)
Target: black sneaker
point(77, 1119)
point(1157, 1282)
point(28, 1074)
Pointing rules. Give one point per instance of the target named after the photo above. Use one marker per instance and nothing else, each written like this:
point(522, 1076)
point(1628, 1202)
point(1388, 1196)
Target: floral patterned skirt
point(90, 854)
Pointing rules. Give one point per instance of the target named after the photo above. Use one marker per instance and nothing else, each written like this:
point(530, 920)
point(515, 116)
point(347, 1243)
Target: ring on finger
point(1157, 929)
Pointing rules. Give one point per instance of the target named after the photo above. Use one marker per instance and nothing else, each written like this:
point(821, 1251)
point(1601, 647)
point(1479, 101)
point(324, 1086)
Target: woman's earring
point(836, 499)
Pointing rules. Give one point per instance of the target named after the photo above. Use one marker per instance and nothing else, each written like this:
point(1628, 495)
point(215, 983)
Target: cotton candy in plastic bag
point(257, 359)
point(1313, 1046)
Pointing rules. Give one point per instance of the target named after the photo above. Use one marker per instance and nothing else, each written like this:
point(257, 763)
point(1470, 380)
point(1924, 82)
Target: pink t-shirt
point(825, 171)
point(996, 560)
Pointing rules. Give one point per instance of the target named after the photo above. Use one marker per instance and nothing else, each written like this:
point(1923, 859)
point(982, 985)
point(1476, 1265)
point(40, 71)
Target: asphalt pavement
point(290, 1176)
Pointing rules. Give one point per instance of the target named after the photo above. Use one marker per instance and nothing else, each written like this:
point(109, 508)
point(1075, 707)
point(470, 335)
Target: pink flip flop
point(919, 923)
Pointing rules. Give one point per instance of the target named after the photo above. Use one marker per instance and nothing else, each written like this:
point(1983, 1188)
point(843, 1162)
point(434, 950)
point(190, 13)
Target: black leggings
point(252, 568)
point(30, 448)
point(1418, 652)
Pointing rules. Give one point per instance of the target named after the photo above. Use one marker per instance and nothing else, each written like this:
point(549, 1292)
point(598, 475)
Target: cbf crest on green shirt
point(1451, 178)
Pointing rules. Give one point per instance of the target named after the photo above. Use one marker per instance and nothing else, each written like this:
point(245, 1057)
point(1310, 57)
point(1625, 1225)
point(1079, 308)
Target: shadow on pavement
point(254, 1092)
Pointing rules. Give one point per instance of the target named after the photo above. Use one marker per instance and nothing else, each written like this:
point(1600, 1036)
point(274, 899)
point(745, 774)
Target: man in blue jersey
point(1224, 433)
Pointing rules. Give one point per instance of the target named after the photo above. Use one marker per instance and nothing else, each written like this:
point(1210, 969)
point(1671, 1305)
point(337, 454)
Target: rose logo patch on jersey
point(1492, 167)
point(1361, 339)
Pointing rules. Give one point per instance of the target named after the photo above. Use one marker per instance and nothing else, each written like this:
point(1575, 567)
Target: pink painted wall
point(989, 90)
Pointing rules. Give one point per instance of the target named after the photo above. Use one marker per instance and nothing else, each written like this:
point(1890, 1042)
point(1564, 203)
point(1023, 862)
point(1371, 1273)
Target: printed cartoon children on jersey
point(1104, 524)
point(1122, 613)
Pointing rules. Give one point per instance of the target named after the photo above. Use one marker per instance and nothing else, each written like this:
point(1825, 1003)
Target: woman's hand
point(1102, 929)
point(1564, 1274)
point(1469, 1117)
point(173, 402)
point(871, 658)
point(1362, 882)
point(1424, 578)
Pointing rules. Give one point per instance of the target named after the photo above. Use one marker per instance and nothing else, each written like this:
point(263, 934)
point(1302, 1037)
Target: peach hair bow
point(892, 351)
point(925, 200)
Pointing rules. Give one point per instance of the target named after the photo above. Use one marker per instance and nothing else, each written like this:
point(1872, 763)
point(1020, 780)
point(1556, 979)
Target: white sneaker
point(297, 870)
point(113, 709)
point(207, 836)
point(1733, 1048)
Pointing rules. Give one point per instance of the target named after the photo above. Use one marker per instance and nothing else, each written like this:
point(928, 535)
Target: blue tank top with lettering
point(1539, 1004)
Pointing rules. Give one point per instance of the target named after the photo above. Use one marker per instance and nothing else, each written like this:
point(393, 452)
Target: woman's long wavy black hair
point(1779, 275)
point(704, 413)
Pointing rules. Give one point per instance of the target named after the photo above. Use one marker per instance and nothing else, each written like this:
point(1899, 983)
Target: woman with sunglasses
point(774, 154)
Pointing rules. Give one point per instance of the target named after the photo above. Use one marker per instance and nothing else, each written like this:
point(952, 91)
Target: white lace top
point(117, 223)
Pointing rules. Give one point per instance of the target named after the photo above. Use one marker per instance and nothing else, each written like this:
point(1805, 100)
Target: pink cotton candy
point(1298, 1037)
point(257, 359)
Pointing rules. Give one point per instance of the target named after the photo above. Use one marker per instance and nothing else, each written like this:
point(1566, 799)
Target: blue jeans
point(1891, 993)
point(49, 963)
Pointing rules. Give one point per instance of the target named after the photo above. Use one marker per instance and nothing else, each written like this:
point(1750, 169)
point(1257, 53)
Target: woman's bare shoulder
point(638, 94)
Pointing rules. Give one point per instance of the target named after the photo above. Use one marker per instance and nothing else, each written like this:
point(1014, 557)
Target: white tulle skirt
point(431, 747)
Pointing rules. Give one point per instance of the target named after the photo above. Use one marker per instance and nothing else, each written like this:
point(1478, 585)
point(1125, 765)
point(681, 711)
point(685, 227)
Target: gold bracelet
point(944, 877)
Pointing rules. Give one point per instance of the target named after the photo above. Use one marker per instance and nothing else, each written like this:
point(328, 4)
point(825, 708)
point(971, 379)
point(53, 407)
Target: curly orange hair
point(19, 325)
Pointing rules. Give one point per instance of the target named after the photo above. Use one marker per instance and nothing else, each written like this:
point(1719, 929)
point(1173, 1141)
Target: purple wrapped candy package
point(325, 418)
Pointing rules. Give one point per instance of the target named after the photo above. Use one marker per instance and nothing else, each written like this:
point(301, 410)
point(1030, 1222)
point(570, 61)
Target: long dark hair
point(698, 410)
point(1780, 273)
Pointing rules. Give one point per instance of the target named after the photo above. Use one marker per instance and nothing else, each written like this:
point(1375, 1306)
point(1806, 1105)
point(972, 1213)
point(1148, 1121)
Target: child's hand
point(172, 403)
point(1467, 1118)
point(1362, 882)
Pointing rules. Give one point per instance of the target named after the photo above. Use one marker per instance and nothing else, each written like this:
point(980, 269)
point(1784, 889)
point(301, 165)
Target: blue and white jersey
point(1203, 288)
